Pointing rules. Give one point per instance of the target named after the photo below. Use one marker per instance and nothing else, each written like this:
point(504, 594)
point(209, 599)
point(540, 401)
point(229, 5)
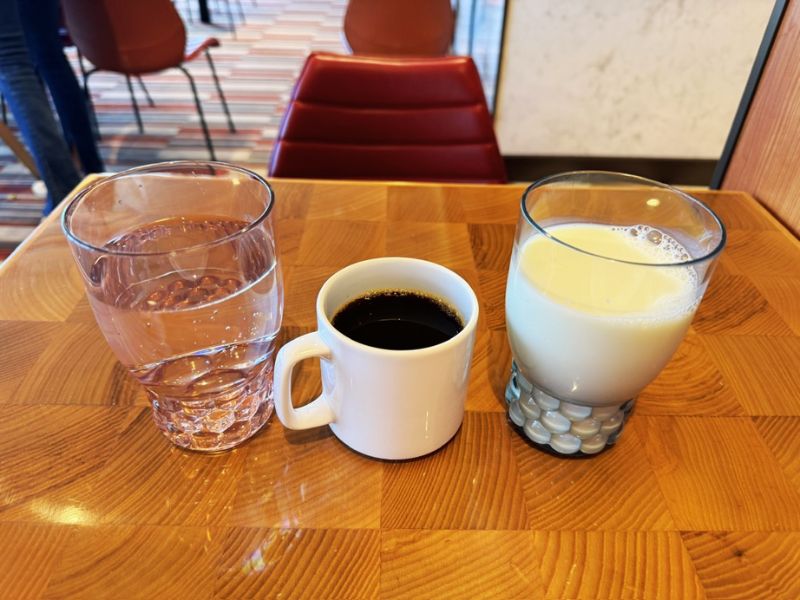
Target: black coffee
point(397, 320)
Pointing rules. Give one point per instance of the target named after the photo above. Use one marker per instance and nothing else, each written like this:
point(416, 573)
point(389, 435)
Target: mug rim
point(470, 324)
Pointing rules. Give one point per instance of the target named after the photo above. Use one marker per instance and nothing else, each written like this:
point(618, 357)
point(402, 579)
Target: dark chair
point(66, 41)
point(422, 119)
point(138, 38)
point(399, 27)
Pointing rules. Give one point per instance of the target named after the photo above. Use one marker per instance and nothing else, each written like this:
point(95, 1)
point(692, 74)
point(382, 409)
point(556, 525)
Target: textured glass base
point(560, 426)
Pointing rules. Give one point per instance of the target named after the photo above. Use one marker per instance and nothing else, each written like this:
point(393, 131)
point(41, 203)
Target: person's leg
point(28, 102)
point(40, 22)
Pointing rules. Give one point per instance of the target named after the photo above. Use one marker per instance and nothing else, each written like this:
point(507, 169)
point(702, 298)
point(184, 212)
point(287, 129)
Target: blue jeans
point(31, 108)
point(41, 20)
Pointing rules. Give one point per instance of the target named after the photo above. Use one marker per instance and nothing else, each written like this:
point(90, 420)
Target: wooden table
point(700, 497)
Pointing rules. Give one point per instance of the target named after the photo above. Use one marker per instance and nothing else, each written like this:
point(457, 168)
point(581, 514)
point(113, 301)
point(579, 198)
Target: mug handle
point(315, 413)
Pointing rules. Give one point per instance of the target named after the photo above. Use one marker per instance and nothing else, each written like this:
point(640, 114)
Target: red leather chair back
point(399, 27)
point(127, 36)
point(391, 119)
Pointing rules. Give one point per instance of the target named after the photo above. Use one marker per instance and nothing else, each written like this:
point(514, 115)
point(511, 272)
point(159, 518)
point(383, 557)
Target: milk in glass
point(589, 324)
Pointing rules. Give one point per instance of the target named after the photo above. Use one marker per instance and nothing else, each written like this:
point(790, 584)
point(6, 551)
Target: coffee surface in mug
point(397, 320)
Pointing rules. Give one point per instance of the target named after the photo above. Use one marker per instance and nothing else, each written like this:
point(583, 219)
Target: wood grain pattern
point(306, 479)
point(490, 245)
point(763, 387)
point(41, 282)
point(782, 436)
point(782, 294)
point(615, 491)
point(289, 233)
point(459, 564)
point(302, 284)
point(699, 497)
point(445, 243)
point(765, 160)
point(493, 298)
point(763, 253)
point(483, 364)
point(733, 305)
point(618, 564)
point(47, 448)
point(690, 385)
point(339, 246)
point(135, 562)
point(366, 202)
point(93, 376)
point(747, 565)
point(716, 474)
point(472, 483)
point(299, 563)
point(28, 552)
point(23, 341)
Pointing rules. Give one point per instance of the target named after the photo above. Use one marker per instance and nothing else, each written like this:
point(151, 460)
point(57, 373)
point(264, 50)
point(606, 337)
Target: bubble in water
point(155, 299)
point(178, 284)
point(96, 272)
point(209, 283)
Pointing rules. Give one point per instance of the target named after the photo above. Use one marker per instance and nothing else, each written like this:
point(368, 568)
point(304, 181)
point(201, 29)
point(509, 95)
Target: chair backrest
point(127, 36)
point(399, 27)
point(766, 150)
point(422, 119)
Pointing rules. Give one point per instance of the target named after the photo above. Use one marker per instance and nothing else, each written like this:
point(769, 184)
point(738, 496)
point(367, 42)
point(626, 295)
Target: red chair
point(399, 27)
point(138, 38)
point(376, 118)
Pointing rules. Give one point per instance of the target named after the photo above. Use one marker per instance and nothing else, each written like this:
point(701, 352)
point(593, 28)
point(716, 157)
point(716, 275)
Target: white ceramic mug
point(389, 404)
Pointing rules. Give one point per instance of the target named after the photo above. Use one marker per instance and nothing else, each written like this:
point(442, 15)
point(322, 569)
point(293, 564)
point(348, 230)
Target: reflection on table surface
point(698, 498)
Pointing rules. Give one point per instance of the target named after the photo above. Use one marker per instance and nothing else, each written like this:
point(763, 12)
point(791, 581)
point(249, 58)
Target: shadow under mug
point(388, 404)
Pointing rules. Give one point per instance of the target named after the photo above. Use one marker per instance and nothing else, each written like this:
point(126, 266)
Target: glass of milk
point(606, 274)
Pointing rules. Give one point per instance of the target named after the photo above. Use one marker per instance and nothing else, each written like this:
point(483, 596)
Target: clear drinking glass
point(181, 271)
point(606, 274)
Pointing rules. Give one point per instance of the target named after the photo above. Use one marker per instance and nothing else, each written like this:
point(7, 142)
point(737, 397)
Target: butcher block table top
point(699, 498)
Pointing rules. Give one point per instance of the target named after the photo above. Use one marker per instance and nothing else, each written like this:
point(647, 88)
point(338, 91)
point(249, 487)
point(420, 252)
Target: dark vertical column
point(205, 15)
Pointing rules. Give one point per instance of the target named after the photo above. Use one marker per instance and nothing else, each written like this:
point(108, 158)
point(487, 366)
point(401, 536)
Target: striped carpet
point(257, 65)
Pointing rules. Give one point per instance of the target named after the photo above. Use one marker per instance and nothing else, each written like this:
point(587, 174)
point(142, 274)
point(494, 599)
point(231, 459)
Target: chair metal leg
point(135, 104)
point(147, 95)
point(88, 96)
point(199, 106)
point(230, 17)
point(231, 127)
point(92, 113)
point(240, 10)
point(5, 109)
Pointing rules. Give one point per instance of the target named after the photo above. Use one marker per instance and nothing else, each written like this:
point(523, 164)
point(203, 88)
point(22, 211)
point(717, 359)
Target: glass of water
point(181, 271)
